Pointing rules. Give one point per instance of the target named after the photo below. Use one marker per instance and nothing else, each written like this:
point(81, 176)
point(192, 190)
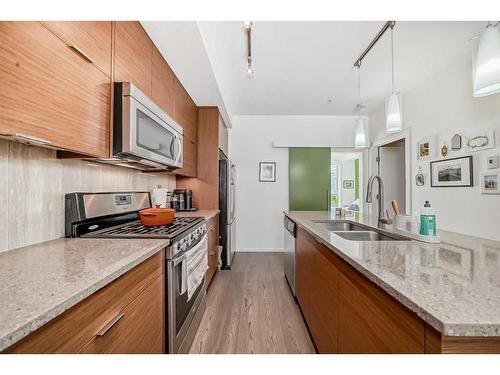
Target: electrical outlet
point(492, 162)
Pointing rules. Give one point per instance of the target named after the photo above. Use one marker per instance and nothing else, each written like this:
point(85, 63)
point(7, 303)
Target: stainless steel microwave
point(144, 136)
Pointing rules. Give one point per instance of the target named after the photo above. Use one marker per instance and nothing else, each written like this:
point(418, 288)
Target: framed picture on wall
point(456, 172)
point(426, 148)
point(267, 171)
point(490, 182)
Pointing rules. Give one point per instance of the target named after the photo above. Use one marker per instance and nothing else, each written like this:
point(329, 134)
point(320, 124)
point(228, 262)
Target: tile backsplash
point(33, 183)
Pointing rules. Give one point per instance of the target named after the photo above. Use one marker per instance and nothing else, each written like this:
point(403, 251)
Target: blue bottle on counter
point(427, 220)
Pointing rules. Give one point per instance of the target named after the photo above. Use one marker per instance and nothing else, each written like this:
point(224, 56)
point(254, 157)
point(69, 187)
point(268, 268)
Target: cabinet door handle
point(81, 53)
point(26, 139)
point(110, 325)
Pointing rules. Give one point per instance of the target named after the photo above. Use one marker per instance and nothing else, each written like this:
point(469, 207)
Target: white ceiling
point(181, 45)
point(300, 65)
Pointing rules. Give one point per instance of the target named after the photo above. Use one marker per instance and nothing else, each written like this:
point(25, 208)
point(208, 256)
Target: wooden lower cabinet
point(132, 307)
point(345, 312)
point(213, 248)
point(137, 328)
point(316, 286)
point(370, 321)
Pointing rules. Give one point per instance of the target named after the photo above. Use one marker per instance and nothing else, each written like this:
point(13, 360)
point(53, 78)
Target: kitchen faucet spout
point(381, 219)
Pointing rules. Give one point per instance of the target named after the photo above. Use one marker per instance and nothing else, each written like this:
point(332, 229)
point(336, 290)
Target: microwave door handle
point(179, 149)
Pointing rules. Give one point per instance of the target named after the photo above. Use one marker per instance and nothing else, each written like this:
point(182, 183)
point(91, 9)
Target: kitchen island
point(397, 295)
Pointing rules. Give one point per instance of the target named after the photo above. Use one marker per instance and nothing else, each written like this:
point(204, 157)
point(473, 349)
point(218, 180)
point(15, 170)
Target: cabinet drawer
point(212, 222)
point(51, 93)
point(91, 39)
point(137, 329)
point(69, 332)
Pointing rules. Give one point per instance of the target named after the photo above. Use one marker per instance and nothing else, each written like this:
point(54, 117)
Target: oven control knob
point(184, 246)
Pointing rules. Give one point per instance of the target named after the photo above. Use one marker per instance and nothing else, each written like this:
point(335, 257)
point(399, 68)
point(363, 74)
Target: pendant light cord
point(359, 90)
point(392, 57)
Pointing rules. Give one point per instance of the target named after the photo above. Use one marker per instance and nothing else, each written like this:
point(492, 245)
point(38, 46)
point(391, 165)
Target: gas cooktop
point(135, 229)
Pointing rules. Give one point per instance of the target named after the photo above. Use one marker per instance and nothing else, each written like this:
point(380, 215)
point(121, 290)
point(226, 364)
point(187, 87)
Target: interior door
point(392, 170)
point(309, 178)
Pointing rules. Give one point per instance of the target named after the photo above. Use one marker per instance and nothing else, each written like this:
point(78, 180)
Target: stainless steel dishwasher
point(290, 233)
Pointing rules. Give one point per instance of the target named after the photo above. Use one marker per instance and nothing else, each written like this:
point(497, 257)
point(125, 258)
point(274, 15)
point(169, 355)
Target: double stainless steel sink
point(356, 232)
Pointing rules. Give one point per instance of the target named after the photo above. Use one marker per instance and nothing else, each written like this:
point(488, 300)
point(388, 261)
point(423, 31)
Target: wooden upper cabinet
point(133, 54)
point(90, 39)
point(49, 92)
point(185, 111)
point(162, 85)
point(316, 286)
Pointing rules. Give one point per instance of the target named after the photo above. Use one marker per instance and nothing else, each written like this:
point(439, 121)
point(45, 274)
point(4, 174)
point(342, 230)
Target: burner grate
point(135, 228)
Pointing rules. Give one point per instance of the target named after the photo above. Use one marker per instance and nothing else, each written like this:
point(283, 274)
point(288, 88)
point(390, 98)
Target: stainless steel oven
point(144, 136)
point(184, 311)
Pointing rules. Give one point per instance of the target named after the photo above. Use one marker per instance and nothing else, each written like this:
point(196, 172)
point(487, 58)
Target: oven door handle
point(183, 286)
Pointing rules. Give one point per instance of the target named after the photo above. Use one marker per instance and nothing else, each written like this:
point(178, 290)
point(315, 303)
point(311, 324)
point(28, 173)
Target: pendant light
point(486, 64)
point(360, 137)
point(393, 119)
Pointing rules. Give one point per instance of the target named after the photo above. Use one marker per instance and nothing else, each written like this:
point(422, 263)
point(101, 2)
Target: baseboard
point(259, 250)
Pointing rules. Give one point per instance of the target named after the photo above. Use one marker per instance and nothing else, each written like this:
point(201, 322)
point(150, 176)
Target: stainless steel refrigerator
point(227, 218)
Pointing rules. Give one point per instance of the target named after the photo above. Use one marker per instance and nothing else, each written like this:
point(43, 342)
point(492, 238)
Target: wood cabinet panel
point(371, 321)
point(213, 249)
point(435, 343)
point(69, 332)
point(93, 38)
point(185, 112)
point(162, 85)
point(190, 159)
point(316, 285)
point(139, 328)
point(133, 55)
point(50, 92)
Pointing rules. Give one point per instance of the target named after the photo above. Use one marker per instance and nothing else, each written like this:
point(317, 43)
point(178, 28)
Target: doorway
point(346, 180)
point(391, 159)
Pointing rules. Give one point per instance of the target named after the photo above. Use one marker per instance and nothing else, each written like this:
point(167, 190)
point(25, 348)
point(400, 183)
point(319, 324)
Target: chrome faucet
point(381, 214)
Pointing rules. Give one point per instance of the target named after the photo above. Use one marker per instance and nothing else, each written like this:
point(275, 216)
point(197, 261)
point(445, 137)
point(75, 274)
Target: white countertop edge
point(28, 327)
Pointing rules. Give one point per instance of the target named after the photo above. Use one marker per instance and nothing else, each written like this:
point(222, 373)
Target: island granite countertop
point(454, 286)
point(40, 282)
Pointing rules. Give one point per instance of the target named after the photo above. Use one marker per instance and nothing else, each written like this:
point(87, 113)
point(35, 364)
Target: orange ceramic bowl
point(155, 217)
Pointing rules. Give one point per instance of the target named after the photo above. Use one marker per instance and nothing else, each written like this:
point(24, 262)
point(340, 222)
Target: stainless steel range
point(115, 215)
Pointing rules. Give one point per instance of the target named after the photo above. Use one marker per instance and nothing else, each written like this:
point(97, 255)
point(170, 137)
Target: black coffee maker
point(182, 200)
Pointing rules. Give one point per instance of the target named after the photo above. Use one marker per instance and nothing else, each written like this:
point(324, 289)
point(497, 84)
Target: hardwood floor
point(250, 309)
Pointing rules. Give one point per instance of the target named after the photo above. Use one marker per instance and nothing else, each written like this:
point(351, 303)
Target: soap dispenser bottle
point(427, 220)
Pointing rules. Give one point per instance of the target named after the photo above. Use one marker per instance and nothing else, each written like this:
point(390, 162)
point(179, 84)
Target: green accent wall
point(309, 178)
point(356, 179)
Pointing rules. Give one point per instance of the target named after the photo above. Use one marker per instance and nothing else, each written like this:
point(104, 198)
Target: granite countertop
point(39, 282)
point(206, 214)
point(454, 286)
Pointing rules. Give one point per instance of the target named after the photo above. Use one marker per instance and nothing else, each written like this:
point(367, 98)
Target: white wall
point(259, 205)
point(443, 105)
point(347, 173)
